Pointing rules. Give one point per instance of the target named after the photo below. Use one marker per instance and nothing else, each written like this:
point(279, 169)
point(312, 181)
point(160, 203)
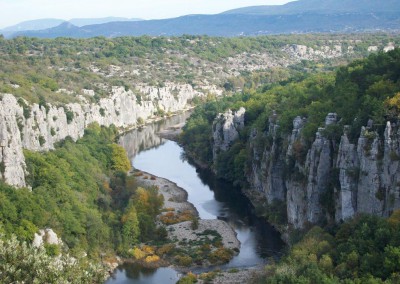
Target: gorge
point(312, 140)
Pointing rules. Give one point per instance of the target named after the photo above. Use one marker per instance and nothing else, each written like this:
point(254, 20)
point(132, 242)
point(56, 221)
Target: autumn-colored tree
point(120, 161)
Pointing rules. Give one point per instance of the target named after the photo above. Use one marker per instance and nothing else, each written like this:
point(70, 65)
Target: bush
point(183, 260)
point(20, 263)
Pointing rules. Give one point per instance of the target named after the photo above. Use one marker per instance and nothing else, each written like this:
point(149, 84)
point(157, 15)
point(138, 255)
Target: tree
point(120, 161)
point(130, 228)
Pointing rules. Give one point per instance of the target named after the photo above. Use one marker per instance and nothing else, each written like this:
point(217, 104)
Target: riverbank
point(214, 238)
point(231, 276)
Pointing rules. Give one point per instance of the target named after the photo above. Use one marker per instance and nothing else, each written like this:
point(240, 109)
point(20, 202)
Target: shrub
point(221, 255)
point(21, 263)
point(137, 253)
point(41, 140)
point(195, 223)
point(152, 258)
point(188, 279)
point(183, 260)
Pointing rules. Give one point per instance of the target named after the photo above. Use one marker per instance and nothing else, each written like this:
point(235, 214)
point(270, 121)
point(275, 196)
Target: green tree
point(130, 227)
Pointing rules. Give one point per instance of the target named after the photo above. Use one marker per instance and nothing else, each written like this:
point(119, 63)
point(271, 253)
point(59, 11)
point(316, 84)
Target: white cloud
point(15, 11)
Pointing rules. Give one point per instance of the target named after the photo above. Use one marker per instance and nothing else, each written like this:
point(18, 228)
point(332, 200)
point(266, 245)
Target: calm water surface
point(213, 198)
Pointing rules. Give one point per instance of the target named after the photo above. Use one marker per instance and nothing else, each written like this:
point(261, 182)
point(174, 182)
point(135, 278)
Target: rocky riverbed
point(188, 234)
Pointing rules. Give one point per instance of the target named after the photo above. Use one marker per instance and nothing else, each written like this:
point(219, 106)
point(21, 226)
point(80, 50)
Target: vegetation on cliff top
point(365, 89)
point(37, 69)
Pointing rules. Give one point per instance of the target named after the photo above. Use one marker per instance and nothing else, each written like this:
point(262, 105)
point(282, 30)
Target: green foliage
point(195, 224)
point(72, 194)
point(41, 67)
point(363, 250)
point(25, 107)
point(42, 140)
point(190, 278)
point(365, 89)
point(102, 112)
point(70, 115)
point(21, 263)
point(130, 228)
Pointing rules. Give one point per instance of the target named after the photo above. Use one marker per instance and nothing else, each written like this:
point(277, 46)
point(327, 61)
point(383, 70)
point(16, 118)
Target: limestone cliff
point(226, 129)
point(38, 127)
point(326, 181)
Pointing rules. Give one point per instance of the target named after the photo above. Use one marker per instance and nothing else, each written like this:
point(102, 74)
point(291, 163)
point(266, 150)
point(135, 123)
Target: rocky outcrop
point(12, 161)
point(226, 129)
point(303, 52)
point(46, 236)
point(327, 181)
point(39, 127)
point(369, 173)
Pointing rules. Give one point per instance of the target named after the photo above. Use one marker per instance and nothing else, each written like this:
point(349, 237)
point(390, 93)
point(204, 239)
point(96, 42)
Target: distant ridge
point(43, 24)
point(303, 16)
point(322, 7)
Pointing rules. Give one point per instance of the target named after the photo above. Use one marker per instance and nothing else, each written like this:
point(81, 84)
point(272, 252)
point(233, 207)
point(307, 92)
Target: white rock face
point(11, 155)
point(46, 236)
point(37, 128)
point(303, 52)
point(372, 48)
point(332, 182)
point(226, 130)
point(391, 46)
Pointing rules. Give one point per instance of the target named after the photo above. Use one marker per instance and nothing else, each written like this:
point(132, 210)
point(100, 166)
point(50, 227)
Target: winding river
point(213, 198)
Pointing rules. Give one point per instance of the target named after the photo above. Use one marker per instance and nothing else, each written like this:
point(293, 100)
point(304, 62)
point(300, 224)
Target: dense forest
point(364, 249)
point(81, 190)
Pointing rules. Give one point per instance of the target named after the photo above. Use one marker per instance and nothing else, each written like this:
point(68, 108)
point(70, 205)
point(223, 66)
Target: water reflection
point(212, 197)
point(134, 273)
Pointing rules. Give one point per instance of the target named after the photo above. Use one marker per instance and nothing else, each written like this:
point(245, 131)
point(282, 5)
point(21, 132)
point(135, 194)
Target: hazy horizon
point(13, 12)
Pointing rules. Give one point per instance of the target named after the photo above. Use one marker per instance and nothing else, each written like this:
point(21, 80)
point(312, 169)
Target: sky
point(15, 11)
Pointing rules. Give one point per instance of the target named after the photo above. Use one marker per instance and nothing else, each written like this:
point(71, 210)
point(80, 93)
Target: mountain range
point(303, 16)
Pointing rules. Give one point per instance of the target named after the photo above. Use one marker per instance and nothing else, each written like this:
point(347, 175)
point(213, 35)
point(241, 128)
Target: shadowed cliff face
point(328, 181)
point(34, 127)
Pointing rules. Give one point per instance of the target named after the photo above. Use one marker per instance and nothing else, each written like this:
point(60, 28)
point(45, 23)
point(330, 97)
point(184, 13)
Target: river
point(212, 198)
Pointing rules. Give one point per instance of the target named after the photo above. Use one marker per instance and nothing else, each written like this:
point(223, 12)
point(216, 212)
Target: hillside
point(327, 7)
point(64, 70)
point(42, 24)
point(304, 16)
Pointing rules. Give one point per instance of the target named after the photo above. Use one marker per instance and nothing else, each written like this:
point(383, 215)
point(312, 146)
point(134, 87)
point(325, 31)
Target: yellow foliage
point(394, 102)
point(170, 218)
point(106, 186)
point(221, 255)
point(394, 219)
point(326, 263)
point(393, 105)
point(142, 196)
point(120, 161)
point(169, 209)
point(152, 258)
point(148, 249)
point(138, 253)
